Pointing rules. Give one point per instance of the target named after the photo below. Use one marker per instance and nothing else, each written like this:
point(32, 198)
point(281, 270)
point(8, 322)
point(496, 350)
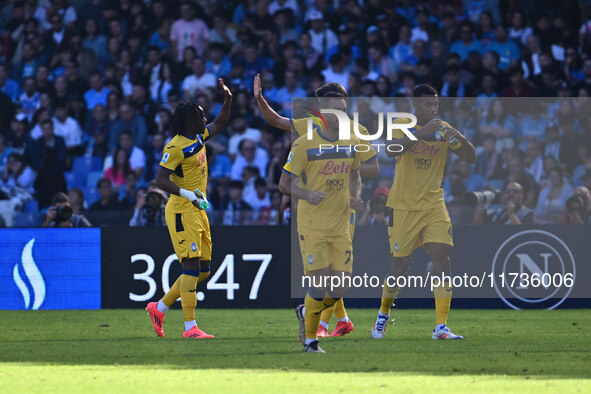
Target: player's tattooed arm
point(268, 113)
point(467, 151)
point(290, 188)
point(221, 120)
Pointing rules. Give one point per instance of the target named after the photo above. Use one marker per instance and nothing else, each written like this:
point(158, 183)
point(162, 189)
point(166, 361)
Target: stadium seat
point(27, 219)
point(74, 179)
point(31, 206)
point(91, 195)
point(84, 165)
point(93, 177)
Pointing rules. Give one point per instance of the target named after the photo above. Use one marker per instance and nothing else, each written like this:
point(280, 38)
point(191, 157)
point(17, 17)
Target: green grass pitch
point(258, 351)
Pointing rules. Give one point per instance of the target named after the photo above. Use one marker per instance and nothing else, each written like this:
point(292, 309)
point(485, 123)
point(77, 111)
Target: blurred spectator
point(526, 181)
point(487, 157)
point(248, 155)
point(518, 87)
point(236, 210)
point(143, 106)
point(472, 181)
point(27, 66)
point(155, 155)
point(68, 129)
point(519, 30)
point(260, 197)
point(94, 40)
point(130, 122)
point(163, 85)
point(512, 211)
point(98, 93)
point(149, 208)
point(76, 197)
point(17, 137)
point(467, 42)
point(506, 49)
point(550, 163)
point(137, 157)
point(221, 33)
point(552, 198)
point(241, 131)
point(47, 156)
point(61, 213)
point(8, 86)
point(419, 32)
point(29, 99)
point(128, 191)
point(118, 172)
point(17, 175)
point(552, 146)
point(219, 166)
point(198, 81)
point(291, 89)
point(249, 176)
point(376, 212)
point(219, 64)
point(533, 124)
point(577, 208)
point(108, 200)
point(188, 31)
point(275, 166)
point(5, 151)
point(97, 132)
point(322, 37)
point(533, 160)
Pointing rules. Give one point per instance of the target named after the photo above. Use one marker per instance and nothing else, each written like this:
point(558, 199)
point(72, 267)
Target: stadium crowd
point(88, 88)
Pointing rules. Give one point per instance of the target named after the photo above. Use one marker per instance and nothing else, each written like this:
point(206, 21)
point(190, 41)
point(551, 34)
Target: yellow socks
point(313, 309)
point(202, 276)
point(339, 311)
point(173, 294)
point(388, 296)
point(188, 290)
point(442, 295)
point(327, 314)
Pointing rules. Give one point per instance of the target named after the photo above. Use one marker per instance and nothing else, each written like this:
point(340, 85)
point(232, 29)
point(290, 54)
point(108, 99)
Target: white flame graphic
point(33, 275)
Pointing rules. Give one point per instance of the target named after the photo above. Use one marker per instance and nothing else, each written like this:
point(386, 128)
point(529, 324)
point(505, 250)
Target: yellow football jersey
point(300, 127)
point(187, 160)
point(327, 169)
point(418, 174)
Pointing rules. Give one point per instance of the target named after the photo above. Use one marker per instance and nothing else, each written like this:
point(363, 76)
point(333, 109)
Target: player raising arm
point(368, 169)
point(323, 216)
point(418, 215)
point(183, 173)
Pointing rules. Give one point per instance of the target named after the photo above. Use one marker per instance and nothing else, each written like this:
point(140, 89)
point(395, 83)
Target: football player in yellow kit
point(418, 212)
point(183, 174)
point(369, 169)
point(326, 195)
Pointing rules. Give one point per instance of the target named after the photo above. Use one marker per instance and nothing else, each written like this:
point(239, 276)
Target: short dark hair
point(329, 89)
point(236, 185)
point(126, 132)
point(103, 181)
point(59, 197)
point(424, 90)
point(259, 182)
point(47, 121)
